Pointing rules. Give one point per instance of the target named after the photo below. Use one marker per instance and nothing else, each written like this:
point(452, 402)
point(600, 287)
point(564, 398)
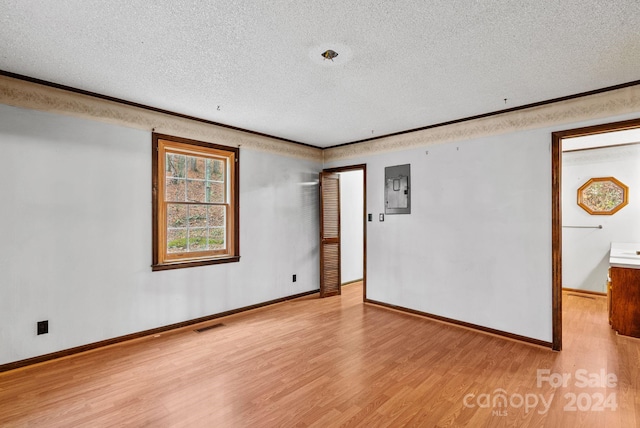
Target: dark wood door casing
point(556, 212)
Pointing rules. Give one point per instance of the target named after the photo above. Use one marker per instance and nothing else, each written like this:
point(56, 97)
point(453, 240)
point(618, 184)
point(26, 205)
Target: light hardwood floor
point(334, 362)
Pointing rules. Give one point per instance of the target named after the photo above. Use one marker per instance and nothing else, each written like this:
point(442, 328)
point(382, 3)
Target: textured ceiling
point(257, 65)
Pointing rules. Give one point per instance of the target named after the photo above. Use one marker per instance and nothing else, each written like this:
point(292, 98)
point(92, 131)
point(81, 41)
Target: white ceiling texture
point(257, 65)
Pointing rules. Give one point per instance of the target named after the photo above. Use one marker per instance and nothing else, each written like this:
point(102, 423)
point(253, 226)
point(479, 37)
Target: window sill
point(194, 263)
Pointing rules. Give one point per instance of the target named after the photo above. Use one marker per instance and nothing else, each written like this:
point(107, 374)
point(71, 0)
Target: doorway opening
point(352, 239)
point(569, 137)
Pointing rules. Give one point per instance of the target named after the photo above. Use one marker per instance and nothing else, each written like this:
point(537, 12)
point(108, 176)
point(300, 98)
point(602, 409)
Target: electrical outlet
point(295, 277)
point(43, 327)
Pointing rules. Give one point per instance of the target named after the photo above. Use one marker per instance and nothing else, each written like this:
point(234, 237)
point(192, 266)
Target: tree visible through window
point(195, 193)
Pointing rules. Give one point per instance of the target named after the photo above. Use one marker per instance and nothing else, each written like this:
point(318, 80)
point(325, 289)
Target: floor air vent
point(209, 327)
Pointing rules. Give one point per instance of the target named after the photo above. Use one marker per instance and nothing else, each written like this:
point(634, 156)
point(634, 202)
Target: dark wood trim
point(495, 113)
point(556, 242)
point(116, 340)
point(344, 284)
point(194, 263)
point(142, 106)
point(556, 212)
point(236, 202)
point(210, 122)
point(156, 136)
point(577, 290)
point(155, 205)
point(463, 324)
point(154, 201)
point(360, 167)
point(364, 231)
point(599, 129)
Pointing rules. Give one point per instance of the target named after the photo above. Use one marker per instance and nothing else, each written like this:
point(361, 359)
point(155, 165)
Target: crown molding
point(593, 106)
point(36, 96)
point(22, 93)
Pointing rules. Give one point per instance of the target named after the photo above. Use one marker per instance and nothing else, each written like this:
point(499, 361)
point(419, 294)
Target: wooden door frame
point(556, 212)
point(360, 167)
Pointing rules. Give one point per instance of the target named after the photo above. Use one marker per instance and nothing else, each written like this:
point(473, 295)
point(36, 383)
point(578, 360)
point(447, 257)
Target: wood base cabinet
point(624, 300)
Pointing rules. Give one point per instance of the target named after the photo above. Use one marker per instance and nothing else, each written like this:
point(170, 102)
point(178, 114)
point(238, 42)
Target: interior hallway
point(333, 362)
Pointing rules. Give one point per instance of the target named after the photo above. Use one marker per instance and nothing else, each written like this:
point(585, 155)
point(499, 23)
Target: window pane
point(197, 239)
point(215, 192)
point(175, 190)
point(195, 167)
point(195, 191)
point(217, 216)
point(193, 214)
point(603, 196)
point(176, 215)
point(175, 165)
point(197, 216)
point(176, 240)
point(217, 238)
point(215, 169)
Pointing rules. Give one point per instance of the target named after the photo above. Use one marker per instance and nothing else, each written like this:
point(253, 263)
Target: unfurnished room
point(319, 214)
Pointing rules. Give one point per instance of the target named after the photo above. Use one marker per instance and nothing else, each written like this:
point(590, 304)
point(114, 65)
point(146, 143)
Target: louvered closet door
point(329, 234)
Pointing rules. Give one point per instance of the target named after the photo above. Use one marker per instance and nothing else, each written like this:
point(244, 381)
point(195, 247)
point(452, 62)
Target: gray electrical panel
point(397, 189)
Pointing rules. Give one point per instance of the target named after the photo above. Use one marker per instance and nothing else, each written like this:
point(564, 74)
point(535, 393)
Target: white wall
point(75, 224)
point(75, 229)
point(477, 244)
point(351, 231)
point(585, 252)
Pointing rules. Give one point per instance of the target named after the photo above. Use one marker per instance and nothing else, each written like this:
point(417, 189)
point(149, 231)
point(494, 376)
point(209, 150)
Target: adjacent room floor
point(338, 362)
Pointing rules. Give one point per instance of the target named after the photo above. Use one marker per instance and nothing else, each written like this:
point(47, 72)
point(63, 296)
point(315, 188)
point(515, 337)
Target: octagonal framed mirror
point(603, 196)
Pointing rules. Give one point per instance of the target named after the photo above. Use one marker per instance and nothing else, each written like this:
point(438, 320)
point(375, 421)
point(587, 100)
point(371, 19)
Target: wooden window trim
point(183, 145)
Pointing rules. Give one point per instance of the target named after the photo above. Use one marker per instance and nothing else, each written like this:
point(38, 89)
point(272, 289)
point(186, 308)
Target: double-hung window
point(195, 203)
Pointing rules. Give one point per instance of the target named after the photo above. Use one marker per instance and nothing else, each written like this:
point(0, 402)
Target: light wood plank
point(367, 366)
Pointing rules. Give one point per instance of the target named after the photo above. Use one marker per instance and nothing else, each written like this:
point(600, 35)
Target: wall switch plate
point(381, 217)
point(294, 277)
point(43, 327)
point(370, 217)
